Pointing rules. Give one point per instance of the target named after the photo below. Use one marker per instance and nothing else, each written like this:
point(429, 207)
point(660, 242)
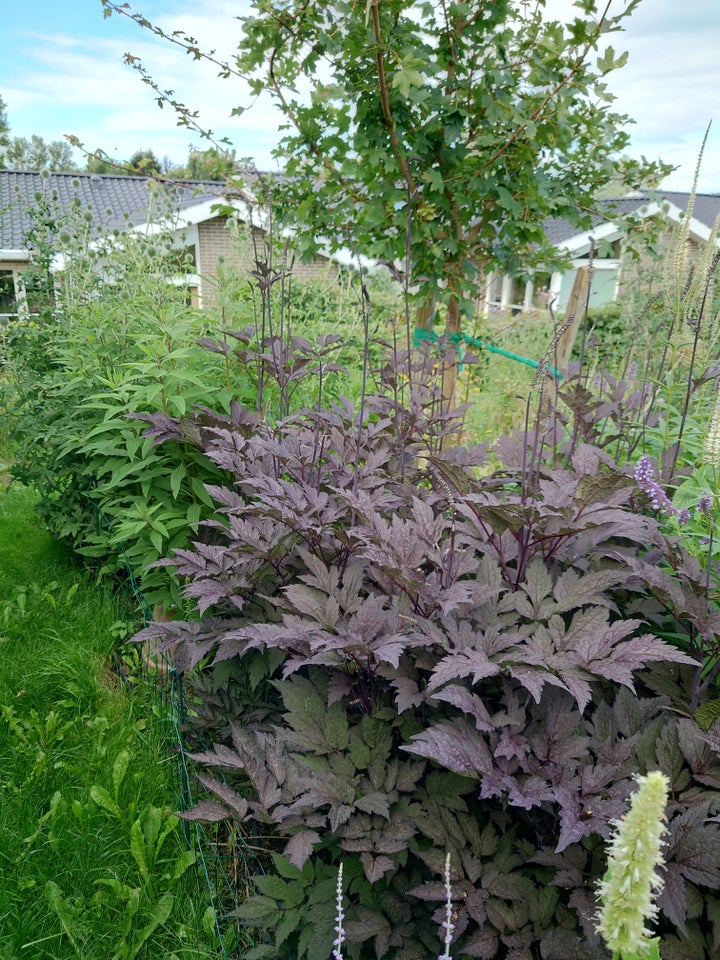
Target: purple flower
point(705, 503)
point(645, 479)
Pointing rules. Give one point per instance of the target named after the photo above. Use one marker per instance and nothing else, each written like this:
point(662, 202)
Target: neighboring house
point(610, 266)
point(137, 203)
point(121, 203)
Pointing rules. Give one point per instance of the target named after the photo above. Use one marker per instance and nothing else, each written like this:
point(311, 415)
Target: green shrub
point(117, 340)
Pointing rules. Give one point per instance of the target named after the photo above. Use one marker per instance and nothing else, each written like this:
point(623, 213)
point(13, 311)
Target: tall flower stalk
point(339, 917)
point(632, 881)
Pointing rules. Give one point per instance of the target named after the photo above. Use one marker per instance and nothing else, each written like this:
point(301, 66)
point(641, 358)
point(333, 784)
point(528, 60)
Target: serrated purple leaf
point(300, 846)
point(454, 745)
point(206, 811)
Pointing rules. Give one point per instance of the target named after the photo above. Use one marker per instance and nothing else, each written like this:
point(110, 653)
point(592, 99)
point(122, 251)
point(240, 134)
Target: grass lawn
point(92, 862)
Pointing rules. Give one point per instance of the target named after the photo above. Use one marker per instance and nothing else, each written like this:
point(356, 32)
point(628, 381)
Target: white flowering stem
point(629, 888)
point(447, 924)
point(339, 917)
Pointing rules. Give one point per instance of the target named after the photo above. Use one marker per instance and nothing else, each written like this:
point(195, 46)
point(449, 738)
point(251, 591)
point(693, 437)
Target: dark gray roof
point(558, 230)
point(114, 202)
point(706, 209)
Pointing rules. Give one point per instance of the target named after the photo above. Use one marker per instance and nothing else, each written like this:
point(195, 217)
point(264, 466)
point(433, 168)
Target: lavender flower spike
point(645, 479)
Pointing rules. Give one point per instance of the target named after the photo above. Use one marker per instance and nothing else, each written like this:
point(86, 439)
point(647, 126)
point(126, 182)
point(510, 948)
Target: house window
point(517, 292)
point(8, 299)
point(495, 285)
point(541, 291)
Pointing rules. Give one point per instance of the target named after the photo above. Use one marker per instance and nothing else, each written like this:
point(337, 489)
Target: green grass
point(86, 784)
point(498, 389)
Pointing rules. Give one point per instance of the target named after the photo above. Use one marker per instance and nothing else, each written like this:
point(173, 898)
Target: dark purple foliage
point(404, 650)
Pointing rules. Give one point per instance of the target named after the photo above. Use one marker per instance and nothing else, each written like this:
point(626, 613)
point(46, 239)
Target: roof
point(706, 211)
point(706, 207)
point(115, 202)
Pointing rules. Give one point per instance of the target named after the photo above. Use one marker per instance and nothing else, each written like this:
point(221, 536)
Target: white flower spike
point(629, 888)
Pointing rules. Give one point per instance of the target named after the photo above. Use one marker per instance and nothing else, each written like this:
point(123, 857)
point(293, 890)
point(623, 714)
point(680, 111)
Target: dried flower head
point(632, 882)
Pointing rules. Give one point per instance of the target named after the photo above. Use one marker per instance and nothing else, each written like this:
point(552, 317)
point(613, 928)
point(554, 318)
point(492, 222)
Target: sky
point(62, 72)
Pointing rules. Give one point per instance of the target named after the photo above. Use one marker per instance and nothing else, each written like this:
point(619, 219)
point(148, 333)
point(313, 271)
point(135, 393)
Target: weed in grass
point(92, 863)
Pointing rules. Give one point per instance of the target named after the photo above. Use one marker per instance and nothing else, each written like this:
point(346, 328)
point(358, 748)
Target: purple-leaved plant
point(401, 655)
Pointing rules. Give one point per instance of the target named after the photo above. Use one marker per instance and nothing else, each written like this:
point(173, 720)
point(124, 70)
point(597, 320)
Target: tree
point(211, 164)
point(4, 124)
point(433, 135)
point(97, 163)
point(144, 163)
point(21, 153)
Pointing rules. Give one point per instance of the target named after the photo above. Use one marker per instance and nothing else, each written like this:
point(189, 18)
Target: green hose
point(458, 338)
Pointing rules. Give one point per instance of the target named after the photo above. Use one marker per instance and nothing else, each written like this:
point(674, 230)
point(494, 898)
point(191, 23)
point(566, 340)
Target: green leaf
point(64, 913)
point(286, 869)
point(176, 478)
point(120, 767)
point(198, 488)
point(157, 541)
point(271, 886)
point(707, 713)
point(102, 798)
point(608, 61)
point(289, 923)
point(183, 863)
point(159, 915)
point(259, 911)
point(193, 515)
point(138, 851)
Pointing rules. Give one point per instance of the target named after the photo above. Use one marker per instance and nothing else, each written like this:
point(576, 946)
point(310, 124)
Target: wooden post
point(450, 361)
point(575, 313)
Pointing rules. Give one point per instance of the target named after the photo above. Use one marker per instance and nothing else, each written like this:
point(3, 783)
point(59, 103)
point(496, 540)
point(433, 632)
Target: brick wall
point(218, 240)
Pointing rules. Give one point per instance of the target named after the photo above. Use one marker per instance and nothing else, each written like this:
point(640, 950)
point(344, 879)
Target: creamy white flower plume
point(628, 891)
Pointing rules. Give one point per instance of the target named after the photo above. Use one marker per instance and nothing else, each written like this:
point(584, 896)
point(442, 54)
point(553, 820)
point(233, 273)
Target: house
point(197, 213)
point(607, 237)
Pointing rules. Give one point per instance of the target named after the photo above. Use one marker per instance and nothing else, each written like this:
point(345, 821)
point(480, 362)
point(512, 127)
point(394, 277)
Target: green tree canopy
point(21, 153)
point(434, 136)
point(211, 164)
point(4, 124)
point(144, 163)
point(35, 153)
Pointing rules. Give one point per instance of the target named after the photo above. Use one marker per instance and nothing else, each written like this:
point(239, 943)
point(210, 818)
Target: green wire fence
point(225, 860)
